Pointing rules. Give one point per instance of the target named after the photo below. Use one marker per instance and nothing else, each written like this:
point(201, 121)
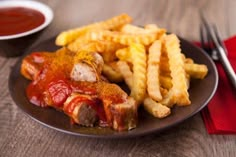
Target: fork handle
point(227, 66)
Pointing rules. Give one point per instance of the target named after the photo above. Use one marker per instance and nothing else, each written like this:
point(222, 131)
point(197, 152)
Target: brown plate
point(201, 92)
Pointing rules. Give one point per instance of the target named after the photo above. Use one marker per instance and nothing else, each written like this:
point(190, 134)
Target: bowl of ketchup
point(21, 22)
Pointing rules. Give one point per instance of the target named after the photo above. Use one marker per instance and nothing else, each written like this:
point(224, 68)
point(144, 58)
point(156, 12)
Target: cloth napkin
point(219, 115)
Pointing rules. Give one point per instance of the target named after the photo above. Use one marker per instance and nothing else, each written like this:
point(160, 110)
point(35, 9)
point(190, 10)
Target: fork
point(212, 43)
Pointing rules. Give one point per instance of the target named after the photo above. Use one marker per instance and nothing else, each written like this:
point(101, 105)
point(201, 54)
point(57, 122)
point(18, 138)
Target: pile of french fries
point(147, 59)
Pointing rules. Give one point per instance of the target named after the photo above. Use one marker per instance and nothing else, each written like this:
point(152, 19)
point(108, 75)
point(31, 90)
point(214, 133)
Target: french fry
point(179, 83)
point(132, 29)
point(124, 55)
point(91, 46)
point(151, 28)
point(109, 57)
point(164, 64)
point(164, 91)
point(77, 45)
point(187, 77)
point(188, 61)
point(148, 29)
point(165, 82)
point(122, 38)
point(138, 89)
point(198, 71)
point(112, 74)
point(153, 71)
point(156, 109)
point(68, 36)
point(125, 71)
point(128, 39)
point(110, 47)
point(169, 100)
point(106, 48)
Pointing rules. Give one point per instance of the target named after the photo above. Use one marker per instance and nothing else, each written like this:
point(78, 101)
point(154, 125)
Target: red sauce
point(35, 95)
point(59, 91)
point(14, 20)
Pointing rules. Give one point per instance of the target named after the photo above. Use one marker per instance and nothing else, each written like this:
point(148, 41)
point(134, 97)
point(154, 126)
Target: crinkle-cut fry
point(112, 74)
point(187, 76)
point(91, 40)
point(114, 65)
point(153, 71)
point(103, 46)
point(164, 91)
point(86, 41)
point(164, 64)
point(124, 55)
point(151, 27)
point(139, 58)
point(188, 61)
point(164, 67)
point(126, 72)
point(132, 29)
point(106, 48)
point(198, 71)
point(124, 38)
point(168, 99)
point(178, 74)
point(78, 43)
point(70, 35)
point(127, 39)
point(156, 109)
point(165, 82)
point(148, 29)
point(109, 57)
point(109, 46)
point(89, 47)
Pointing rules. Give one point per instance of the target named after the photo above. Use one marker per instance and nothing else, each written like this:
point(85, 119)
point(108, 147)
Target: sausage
point(80, 109)
point(88, 70)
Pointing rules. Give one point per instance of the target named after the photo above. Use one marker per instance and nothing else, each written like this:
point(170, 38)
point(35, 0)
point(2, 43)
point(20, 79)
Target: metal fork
point(211, 42)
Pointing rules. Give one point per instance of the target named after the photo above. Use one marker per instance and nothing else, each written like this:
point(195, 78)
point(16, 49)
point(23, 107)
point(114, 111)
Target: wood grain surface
point(22, 137)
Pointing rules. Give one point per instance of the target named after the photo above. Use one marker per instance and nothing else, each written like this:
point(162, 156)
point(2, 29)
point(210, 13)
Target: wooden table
point(21, 136)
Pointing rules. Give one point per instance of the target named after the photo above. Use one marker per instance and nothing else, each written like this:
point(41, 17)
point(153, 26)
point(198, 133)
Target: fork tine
point(203, 19)
point(209, 35)
point(218, 37)
point(204, 37)
point(216, 33)
point(206, 26)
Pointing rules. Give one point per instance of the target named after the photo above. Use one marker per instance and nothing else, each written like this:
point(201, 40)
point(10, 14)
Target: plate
point(201, 92)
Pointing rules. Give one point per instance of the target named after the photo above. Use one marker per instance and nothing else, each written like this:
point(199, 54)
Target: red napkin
point(220, 114)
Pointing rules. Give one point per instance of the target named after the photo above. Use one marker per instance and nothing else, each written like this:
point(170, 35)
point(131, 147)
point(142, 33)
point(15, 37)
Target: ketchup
point(15, 20)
